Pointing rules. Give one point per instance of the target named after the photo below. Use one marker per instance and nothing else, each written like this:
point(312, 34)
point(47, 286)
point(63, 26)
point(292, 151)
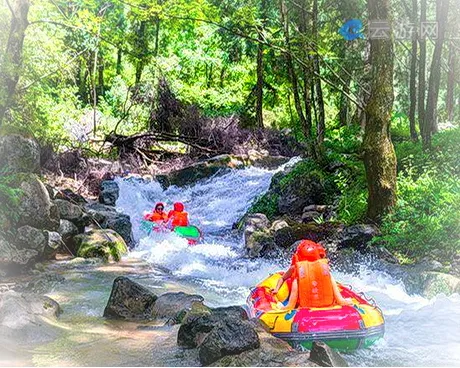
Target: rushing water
point(418, 331)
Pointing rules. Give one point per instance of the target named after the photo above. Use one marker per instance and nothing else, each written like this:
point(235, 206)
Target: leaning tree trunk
point(321, 120)
point(10, 69)
point(379, 155)
point(259, 86)
point(435, 74)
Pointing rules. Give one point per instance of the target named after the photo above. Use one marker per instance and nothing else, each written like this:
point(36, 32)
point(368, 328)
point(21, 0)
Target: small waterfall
point(418, 331)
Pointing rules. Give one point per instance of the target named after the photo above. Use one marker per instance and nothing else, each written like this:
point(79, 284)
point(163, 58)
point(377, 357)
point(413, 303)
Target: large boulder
point(35, 207)
point(129, 300)
point(67, 230)
point(108, 218)
point(217, 335)
point(13, 259)
point(109, 192)
point(229, 337)
point(429, 284)
point(170, 306)
point(19, 154)
point(24, 318)
point(29, 237)
point(357, 236)
point(256, 235)
point(53, 245)
point(288, 235)
point(105, 244)
point(69, 195)
point(72, 212)
point(304, 191)
point(273, 352)
point(324, 356)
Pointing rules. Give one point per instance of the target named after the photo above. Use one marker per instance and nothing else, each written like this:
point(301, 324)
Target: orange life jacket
point(315, 284)
point(178, 218)
point(155, 216)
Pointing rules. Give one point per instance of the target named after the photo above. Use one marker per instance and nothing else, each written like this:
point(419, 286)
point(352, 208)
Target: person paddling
point(312, 282)
point(177, 216)
point(157, 215)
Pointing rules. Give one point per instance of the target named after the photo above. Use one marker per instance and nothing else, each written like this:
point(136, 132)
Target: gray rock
point(307, 190)
point(68, 211)
point(67, 230)
point(54, 244)
point(258, 243)
point(229, 337)
point(255, 232)
point(29, 237)
point(357, 236)
point(429, 284)
point(278, 225)
point(13, 259)
point(310, 216)
point(35, 205)
point(108, 218)
point(23, 317)
point(69, 195)
point(324, 356)
point(19, 154)
point(129, 300)
point(168, 306)
point(109, 192)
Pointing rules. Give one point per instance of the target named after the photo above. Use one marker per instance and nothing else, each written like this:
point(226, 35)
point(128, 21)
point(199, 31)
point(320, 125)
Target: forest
point(372, 87)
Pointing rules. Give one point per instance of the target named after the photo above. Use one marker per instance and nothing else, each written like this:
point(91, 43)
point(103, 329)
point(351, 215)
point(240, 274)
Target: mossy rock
point(430, 284)
point(287, 236)
point(105, 244)
point(19, 154)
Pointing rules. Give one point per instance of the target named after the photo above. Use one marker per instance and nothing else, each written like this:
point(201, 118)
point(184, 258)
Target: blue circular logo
point(352, 30)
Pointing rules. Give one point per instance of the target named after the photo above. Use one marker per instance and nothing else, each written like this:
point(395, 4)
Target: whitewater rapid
point(419, 331)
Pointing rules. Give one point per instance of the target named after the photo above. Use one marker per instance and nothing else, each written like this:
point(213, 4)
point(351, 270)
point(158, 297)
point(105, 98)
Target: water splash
point(419, 331)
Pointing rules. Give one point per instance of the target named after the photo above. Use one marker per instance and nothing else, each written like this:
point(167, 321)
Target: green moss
point(10, 198)
point(266, 204)
point(104, 244)
point(12, 129)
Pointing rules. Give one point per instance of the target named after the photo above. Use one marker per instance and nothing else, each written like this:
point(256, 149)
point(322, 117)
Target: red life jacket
point(178, 218)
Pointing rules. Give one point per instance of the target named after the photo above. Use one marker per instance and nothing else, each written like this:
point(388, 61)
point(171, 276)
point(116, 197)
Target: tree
point(430, 121)
point(10, 69)
point(379, 155)
point(422, 72)
point(413, 77)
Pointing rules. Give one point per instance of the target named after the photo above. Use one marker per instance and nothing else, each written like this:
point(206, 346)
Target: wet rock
point(55, 217)
point(258, 243)
point(272, 352)
point(109, 192)
point(429, 284)
point(216, 335)
point(297, 194)
point(310, 216)
point(324, 356)
point(170, 306)
point(69, 195)
point(287, 236)
point(108, 218)
point(19, 154)
point(105, 244)
point(23, 317)
point(278, 225)
point(129, 300)
point(357, 236)
point(29, 237)
point(233, 311)
point(229, 337)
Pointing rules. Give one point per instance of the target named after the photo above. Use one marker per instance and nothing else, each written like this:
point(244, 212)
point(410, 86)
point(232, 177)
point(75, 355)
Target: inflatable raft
point(191, 233)
point(344, 328)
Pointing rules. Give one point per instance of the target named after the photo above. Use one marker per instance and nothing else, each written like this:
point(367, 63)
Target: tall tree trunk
point(119, 59)
point(321, 120)
point(157, 36)
point(344, 103)
point(442, 9)
point(379, 155)
point(413, 78)
point(451, 82)
point(10, 68)
point(259, 86)
point(100, 82)
point(140, 62)
point(422, 73)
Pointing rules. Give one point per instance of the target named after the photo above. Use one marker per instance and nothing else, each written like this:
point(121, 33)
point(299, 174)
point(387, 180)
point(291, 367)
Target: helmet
point(308, 250)
point(159, 204)
point(178, 206)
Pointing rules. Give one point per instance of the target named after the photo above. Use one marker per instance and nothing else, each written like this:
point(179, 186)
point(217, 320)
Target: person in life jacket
point(312, 282)
point(177, 216)
point(157, 215)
